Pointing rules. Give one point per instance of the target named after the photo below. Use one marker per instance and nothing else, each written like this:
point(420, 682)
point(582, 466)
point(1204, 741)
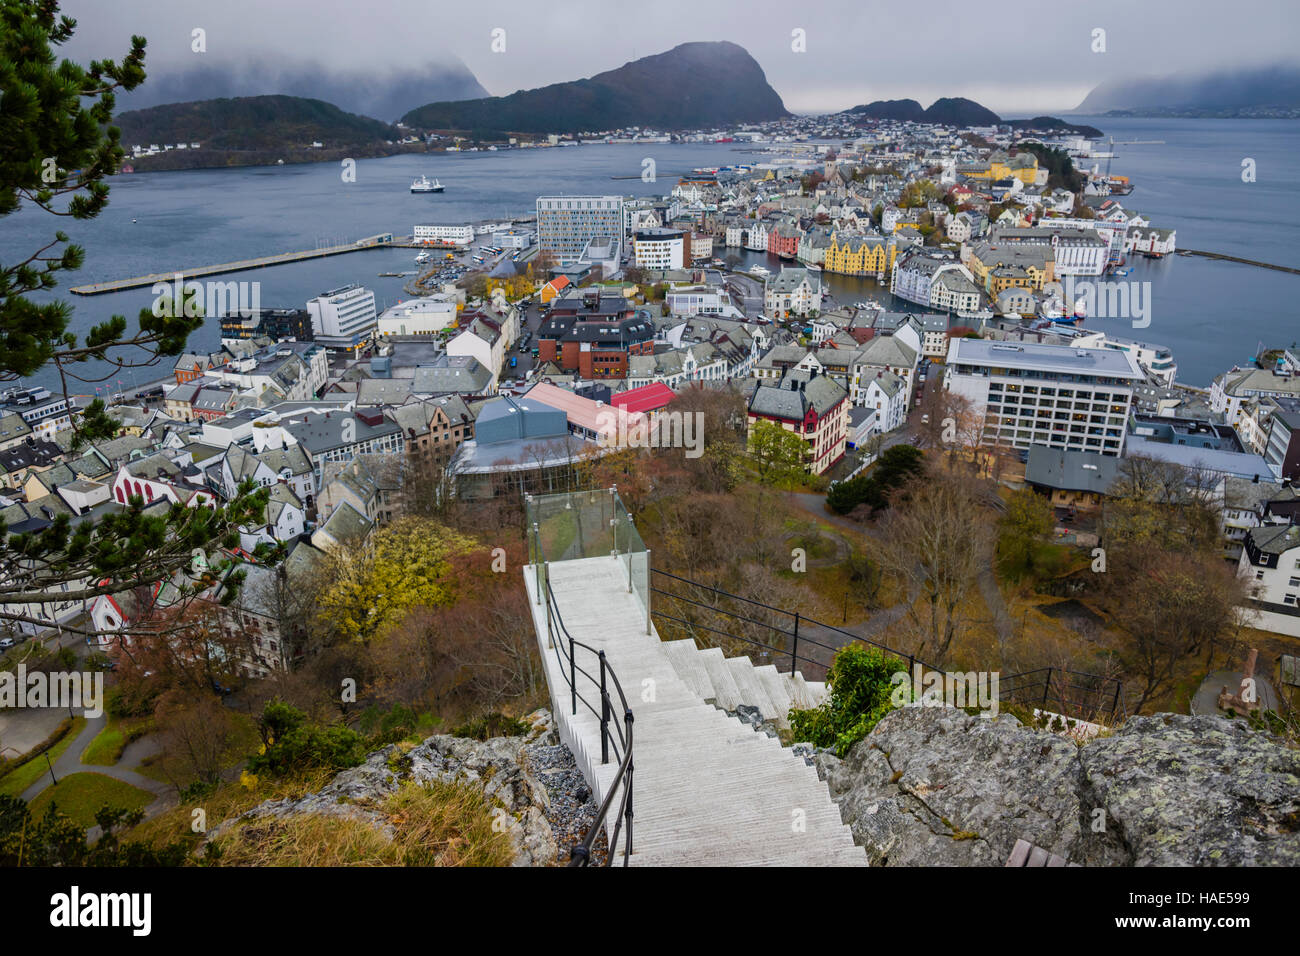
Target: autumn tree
point(1028, 520)
point(934, 541)
point(779, 454)
point(412, 562)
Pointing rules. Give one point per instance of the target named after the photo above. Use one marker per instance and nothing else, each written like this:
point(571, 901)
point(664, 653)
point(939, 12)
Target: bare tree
point(935, 539)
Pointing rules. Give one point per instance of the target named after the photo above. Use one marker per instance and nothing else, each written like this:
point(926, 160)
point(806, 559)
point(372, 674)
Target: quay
point(381, 241)
point(1246, 262)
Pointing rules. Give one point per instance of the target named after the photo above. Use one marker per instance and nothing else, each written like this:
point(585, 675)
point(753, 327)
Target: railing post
point(627, 782)
point(537, 560)
point(604, 714)
point(1047, 686)
point(573, 678)
point(794, 647)
point(550, 623)
point(630, 529)
point(647, 591)
point(1114, 707)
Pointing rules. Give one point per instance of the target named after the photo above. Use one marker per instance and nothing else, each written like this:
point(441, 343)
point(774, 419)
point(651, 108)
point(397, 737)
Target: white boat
point(760, 271)
point(423, 257)
point(424, 184)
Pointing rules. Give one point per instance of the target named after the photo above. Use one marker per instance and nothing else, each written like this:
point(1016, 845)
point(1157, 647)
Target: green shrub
point(290, 742)
point(492, 725)
point(861, 691)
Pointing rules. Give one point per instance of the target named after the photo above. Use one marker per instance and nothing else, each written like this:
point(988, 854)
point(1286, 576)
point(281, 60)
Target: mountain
point(692, 85)
point(949, 111)
point(1055, 125)
point(1219, 93)
point(251, 123)
point(382, 94)
point(900, 111)
point(959, 111)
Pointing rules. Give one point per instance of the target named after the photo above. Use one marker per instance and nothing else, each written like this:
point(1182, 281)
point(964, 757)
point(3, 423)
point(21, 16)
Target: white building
point(886, 395)
point(1270, 564)
point(456, 234)
point(659, 249)
point(423, 316)
point(792, 291)
point(343, 318)
point(1054, 395)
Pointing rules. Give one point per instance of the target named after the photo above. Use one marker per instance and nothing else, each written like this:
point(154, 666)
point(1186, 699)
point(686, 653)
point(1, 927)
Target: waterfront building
point(1054, 395)
point(566, 224)
point(343, 318)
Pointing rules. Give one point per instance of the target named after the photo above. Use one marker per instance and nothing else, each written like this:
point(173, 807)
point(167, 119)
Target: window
point(1289, 599)
point(1259, 575)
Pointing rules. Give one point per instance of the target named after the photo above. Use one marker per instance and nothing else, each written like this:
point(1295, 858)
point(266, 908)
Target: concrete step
point(751, 690)
point(727, 695)
point(685, 659)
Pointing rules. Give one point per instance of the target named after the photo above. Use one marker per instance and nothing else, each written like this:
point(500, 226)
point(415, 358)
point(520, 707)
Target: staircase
point(708, 790)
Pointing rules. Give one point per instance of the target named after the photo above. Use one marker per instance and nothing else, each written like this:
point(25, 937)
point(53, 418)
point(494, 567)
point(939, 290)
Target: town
point(837, 504)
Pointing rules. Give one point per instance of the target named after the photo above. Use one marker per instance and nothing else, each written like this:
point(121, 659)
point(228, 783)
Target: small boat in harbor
point(422, 258)
point(423, 184)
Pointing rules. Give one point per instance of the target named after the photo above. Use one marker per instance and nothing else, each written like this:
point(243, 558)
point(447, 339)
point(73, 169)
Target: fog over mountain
point(382, 95)
point(1221, 90)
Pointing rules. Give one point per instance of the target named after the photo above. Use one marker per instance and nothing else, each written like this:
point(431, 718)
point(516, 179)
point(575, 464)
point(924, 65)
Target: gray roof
point(1275, 539)
point(1061, 359)
point(818, 392)
point(1071, 470)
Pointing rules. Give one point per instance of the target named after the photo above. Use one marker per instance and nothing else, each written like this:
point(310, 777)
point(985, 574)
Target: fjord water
point(1212, 314)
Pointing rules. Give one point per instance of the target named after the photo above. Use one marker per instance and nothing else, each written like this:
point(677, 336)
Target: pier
point(1245, 262)
point(381, 241)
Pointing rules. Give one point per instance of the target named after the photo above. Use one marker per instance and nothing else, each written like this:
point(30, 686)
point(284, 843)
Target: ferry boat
point(426, 185)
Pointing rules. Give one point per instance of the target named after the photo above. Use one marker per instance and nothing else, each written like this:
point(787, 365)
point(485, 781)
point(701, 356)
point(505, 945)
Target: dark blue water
point(1212, 314)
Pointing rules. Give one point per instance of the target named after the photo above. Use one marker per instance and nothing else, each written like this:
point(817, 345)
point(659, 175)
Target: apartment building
point(811, 405)
point(1054, 395)
point(565, 224)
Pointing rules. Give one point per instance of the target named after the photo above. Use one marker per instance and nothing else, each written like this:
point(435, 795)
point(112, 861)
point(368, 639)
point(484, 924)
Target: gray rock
point(497, 766)
point(935, 786)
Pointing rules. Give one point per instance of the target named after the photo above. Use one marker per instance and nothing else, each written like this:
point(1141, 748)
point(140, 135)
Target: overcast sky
point(1014, 59)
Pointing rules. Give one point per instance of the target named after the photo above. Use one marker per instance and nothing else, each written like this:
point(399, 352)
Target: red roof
point(647, 398)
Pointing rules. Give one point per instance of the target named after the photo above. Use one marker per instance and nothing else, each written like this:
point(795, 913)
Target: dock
point(382, 241)
point(1245, 262)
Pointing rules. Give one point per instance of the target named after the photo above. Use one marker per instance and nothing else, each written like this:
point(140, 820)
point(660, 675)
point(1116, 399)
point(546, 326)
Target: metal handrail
point(619, 740)
point(1054, 686)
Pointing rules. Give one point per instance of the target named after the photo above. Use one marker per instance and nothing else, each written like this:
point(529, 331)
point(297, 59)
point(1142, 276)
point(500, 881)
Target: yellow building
point(1001, 266)
point(860, 255)
point(1022, 166)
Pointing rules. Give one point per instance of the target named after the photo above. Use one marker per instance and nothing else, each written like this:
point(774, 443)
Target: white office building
point(343, 318)
point(659, 248)
point(1054, 395)
point(457, 234)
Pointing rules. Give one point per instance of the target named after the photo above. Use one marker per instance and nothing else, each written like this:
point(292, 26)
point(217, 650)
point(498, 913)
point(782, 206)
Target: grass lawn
point(13, 784)
point(81, 795)
point(243, 742)
point(106, 749)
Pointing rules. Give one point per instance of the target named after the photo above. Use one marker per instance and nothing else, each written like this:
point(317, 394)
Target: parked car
point(6, 643)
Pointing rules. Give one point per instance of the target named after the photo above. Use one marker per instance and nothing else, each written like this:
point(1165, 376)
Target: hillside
point(384, 95)
point(692, 85)
point(1055, 125)
point(1260, 91)
point(959, 111)
point(252, 122)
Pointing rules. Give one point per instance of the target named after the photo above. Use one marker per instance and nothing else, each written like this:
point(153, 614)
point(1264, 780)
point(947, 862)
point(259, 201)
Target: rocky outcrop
point(517, 773)
point(935, 786)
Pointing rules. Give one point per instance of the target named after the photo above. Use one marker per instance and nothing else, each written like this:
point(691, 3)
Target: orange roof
point(558, 283)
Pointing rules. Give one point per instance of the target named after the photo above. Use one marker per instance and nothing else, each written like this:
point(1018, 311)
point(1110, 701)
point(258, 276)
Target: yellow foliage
point(411, 563)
